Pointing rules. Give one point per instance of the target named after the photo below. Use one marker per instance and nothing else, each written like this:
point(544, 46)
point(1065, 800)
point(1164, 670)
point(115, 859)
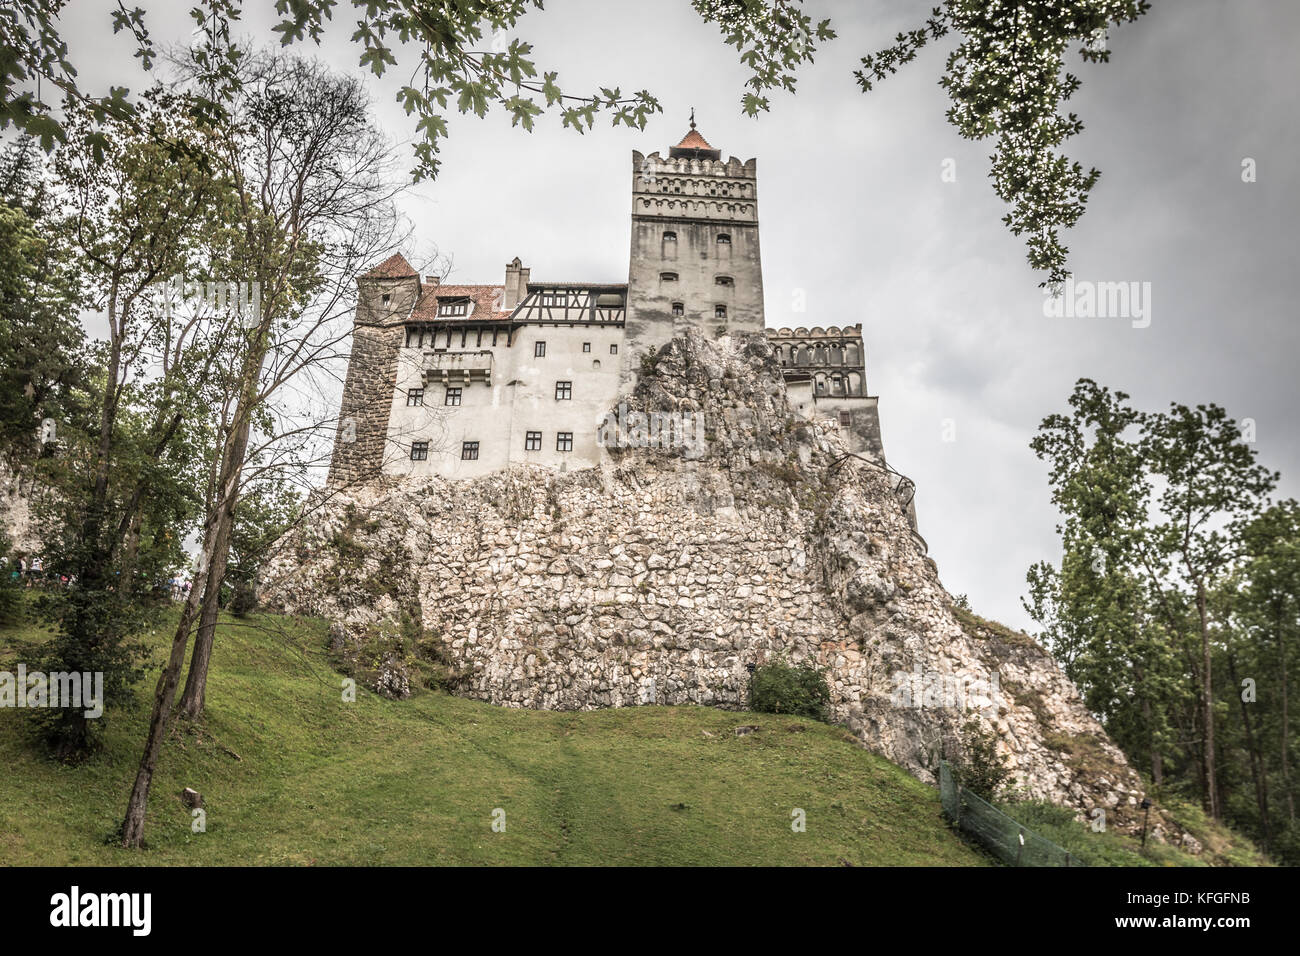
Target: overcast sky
point(855, 212)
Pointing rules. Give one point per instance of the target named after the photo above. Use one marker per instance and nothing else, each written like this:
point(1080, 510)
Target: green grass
point(291, 774)
point(1221, 846)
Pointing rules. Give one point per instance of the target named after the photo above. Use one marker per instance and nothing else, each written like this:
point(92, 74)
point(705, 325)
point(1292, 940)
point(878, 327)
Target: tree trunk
point(164, 695)
point(1257, 771)
point(1286, 771)
point(227, 496)
point(130, 552)
point(1157, 763)
point(196, 681)
point(1207, 707)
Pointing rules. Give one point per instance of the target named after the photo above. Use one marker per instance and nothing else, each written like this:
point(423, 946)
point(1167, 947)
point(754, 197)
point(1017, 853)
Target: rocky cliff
point(661, 576)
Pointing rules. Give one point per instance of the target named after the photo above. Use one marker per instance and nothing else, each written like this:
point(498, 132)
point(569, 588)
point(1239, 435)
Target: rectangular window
point(678, 309)
point(469, 451)
point(586, 346)
point(563, 391)
point(453, 397)
point(415, 396)
point(564, 441)
point(846, 419)
point(539, 349)
point(419, 451)
point(533, 441)
point(613, 350)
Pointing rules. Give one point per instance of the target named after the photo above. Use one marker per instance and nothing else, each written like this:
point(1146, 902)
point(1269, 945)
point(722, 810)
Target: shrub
point(779, 688)
point(243, 598)
point(981, 770)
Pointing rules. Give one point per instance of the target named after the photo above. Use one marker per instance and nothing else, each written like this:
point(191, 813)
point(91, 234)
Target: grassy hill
point(291, 774)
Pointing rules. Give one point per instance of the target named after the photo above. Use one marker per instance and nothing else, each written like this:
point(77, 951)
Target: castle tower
point(695, 263)
point(385, 297)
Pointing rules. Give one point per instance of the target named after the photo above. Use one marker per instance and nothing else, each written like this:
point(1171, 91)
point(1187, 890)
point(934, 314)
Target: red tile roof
point(693, 140)
point(485, 300)
point(394, 267)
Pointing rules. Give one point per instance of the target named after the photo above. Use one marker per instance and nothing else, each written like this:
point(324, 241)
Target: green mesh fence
point(1009, 841)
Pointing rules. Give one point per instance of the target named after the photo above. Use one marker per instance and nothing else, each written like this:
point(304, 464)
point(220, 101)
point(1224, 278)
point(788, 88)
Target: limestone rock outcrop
point(659, 576)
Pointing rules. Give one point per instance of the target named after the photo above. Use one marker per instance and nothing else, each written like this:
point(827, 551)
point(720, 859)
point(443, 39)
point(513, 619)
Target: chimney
point(516, 287)
point(433, 282)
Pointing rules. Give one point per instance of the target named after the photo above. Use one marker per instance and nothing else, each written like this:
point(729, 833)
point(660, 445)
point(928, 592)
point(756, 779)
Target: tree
point(41, 342)
point(1117, 632)
point(1264, 599)
point(1006, 78)
point(1212, 487)
point(1154, 504)
point(313, 203)
point(121, 479)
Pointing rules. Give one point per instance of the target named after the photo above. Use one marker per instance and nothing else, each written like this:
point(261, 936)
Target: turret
point(385, 297)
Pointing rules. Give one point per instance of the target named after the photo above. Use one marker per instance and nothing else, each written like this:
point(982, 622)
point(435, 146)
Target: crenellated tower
point(695, 264)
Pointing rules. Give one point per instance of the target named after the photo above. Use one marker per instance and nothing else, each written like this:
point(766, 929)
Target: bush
point(778, 688)
point(243, 599)
point(981, 770)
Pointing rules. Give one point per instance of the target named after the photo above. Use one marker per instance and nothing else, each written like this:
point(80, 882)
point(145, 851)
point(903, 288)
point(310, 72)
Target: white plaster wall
point(521, 398)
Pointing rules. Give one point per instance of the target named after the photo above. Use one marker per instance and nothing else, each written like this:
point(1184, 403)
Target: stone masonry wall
point(360, 444)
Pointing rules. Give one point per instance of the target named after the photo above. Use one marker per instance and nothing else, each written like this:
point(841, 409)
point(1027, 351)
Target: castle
point(663, 580)
point(465, 380)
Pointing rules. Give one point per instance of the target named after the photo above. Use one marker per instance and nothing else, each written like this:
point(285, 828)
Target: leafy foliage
point(41, 341)
point(980, 768)
point(123, 478)
point(1175, 571)
point(780, 688)
point(1006, 78)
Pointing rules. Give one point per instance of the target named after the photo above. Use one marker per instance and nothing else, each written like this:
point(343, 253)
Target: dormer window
point(453, 307)
point(668, 277)
point(559, 299)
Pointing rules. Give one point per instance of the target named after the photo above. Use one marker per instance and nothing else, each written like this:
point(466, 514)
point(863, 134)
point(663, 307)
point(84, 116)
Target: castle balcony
point(458, 368)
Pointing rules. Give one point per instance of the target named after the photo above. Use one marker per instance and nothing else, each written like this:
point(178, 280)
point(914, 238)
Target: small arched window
point(719, 311)
point(724, 239)
point(670, 237)
point(679, 309)
point(724, 280)
point(668, 277)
